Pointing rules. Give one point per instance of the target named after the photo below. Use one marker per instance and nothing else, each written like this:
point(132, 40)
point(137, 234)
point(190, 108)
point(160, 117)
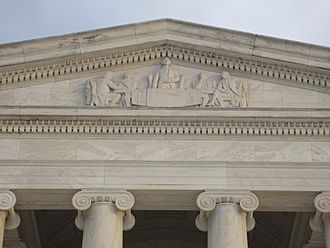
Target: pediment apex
point(161, 30)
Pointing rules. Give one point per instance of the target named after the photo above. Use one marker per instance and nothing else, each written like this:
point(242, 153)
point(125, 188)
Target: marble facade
point(164, 116)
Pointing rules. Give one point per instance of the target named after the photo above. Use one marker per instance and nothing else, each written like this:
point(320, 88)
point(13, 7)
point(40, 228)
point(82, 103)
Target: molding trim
point(181, 127)
point(240, 65)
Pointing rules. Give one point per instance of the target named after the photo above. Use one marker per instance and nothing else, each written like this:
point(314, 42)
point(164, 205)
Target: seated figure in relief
point(206, 87)
point(166, 77)
point(226, 90)
point(128, 82)
point(103, 91)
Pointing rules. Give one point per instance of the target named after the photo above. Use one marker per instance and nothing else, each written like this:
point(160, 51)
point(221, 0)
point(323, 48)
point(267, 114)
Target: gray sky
point(300, 20)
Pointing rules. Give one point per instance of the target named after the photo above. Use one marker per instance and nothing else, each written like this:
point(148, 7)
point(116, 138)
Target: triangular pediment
point(273, 69)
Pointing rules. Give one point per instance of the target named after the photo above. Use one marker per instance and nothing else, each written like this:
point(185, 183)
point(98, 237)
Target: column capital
point(322, 206)
point(83, 199)
point(208, 200)
point(122, 199)
point(7, 200)
point(322, 202)
point(7, 203)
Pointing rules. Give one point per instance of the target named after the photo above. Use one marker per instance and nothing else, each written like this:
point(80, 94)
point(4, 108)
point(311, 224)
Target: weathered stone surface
point(165, 109)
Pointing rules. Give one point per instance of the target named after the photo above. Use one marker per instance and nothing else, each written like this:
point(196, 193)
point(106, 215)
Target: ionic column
point(321, 220)
point(226, 216)
point(103, 215)
point(9, 219)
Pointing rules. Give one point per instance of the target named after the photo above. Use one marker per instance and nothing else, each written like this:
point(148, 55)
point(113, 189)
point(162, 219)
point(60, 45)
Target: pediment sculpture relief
point(166, 88)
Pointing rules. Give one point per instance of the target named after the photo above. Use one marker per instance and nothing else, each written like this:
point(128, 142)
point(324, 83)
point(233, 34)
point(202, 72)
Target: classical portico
point(164, 134)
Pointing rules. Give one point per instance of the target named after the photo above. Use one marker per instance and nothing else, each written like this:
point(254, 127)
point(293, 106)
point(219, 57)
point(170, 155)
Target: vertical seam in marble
point(104, 173)
point(309, 55)
point(135, 37)
point(23, 52)
point(311, 151)
point(226, 175)
point(79, 40)
point(254, 44)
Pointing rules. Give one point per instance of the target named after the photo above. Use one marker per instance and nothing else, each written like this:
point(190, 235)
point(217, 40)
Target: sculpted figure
point(166, 77)
point(206, 87)
point(128, 83)
point(103, 91)
point(244, 90)
point(226, 90)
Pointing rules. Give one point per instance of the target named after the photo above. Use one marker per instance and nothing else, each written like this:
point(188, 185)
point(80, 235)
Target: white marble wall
point(165, 150)
point(71, 92)
point(193, 164)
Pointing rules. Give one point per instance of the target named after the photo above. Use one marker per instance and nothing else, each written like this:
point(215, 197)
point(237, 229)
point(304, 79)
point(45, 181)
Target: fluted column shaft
point(321, 220)
point(227, 216)
point(326, 222)
point(3, 216)
point(9, 219)
point(103, 216)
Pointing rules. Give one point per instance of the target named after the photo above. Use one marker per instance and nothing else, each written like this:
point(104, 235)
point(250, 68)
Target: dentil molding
point(195, 56)
point(159, 126)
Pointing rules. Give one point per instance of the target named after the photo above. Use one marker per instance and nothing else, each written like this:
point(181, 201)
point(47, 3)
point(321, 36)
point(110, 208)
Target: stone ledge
point(136, 34)
point(75, 113)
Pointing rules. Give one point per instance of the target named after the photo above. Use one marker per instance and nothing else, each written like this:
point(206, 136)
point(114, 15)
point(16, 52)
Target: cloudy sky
point(300, 20)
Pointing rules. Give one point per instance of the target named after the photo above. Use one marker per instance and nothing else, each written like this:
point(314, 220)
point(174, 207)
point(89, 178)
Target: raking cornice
point(214, 49)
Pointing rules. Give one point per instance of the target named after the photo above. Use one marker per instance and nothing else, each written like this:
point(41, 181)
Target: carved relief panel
point(167, 87)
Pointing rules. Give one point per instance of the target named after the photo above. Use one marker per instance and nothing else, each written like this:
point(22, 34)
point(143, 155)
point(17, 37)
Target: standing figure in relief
point(103, 91)
point(166, 77)
point(226, 90)
point(244, 90)
point(128, 83)
point(206, 87)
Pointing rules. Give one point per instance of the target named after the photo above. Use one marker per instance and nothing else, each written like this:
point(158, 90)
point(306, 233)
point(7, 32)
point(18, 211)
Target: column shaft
point(103, 227)
point(326, 222)
point(227, 227)
point(3, 216)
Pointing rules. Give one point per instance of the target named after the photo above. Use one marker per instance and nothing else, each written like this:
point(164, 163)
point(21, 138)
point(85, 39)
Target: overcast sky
point(300, 20)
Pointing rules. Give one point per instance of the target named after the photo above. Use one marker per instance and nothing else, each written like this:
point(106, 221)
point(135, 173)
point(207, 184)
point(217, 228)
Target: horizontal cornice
point(216, 60)
point(184, 123)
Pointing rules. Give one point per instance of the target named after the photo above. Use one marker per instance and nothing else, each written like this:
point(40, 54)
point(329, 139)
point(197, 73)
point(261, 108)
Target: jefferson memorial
point(164, 134)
